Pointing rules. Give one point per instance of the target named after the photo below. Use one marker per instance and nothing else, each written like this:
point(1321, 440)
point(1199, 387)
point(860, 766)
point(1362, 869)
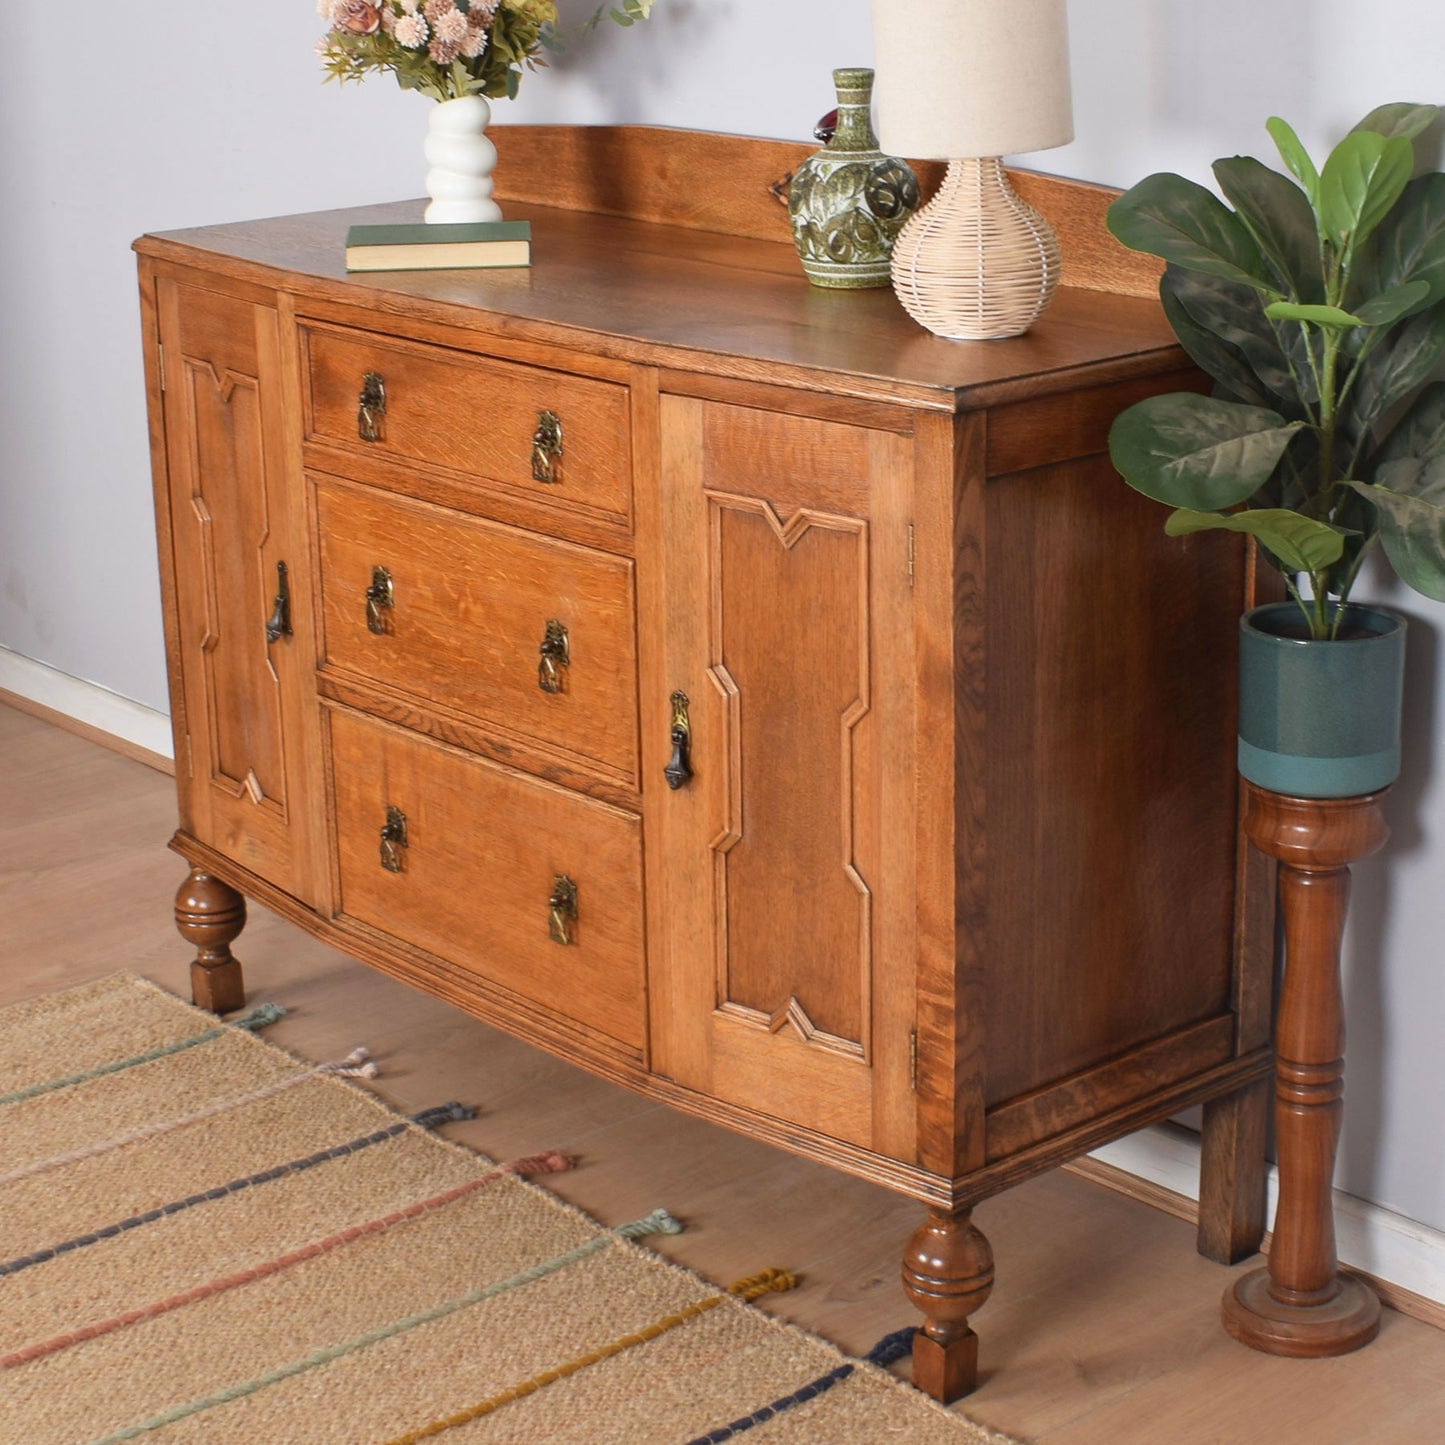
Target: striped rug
point(203, 1239)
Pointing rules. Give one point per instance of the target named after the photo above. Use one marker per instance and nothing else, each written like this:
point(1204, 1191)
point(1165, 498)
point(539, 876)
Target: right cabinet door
point(784, 980)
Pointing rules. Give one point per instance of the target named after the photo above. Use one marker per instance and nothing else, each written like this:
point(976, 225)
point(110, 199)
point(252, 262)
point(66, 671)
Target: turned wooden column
point(948, 1274)
point(1302, 1305)
point(210, 915)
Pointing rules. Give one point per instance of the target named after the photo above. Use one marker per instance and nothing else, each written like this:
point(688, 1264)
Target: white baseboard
point(86, 702)
point(1368, 1236)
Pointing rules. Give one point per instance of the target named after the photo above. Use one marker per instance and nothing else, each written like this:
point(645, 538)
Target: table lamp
point(968, 81)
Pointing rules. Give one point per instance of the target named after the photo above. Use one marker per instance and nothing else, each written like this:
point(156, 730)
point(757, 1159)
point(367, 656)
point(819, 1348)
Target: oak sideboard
point(720, 682)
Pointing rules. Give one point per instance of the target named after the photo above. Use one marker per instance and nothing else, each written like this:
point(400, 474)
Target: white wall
point(189, 114)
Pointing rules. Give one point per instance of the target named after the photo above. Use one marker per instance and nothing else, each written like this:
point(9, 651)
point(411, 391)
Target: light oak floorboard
point(1103, 1328)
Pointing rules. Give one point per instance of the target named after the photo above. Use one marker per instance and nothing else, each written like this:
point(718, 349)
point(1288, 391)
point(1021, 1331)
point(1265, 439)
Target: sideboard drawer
point(477, 865)
point(530, 636)
point(548, 436)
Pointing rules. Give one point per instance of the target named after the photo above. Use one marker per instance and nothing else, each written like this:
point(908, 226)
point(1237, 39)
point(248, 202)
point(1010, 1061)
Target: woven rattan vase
point(978, 262)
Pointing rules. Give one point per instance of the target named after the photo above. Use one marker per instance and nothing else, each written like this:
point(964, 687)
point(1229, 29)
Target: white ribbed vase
point(978, 261)
point(459, 161)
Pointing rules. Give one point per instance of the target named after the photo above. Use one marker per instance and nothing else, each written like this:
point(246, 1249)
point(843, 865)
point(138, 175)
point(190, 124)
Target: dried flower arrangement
point(449, 48)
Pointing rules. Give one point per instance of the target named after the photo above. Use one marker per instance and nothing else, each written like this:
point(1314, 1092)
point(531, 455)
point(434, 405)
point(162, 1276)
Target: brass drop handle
point(553, 654)
point(371, 407)
point(393, 839)
point(679, 770)
point(380, 599)
point(278, 625)
point(562, 909)
point(547, 448)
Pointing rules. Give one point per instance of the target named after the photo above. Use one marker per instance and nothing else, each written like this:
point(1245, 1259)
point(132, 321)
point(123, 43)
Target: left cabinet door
point(232, 530)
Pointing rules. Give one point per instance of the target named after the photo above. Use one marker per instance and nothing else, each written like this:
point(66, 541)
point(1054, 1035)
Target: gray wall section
point(197, 115)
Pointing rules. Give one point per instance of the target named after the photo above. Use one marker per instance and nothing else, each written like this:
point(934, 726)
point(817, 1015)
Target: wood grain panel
point(472, 415)
point(484, 846)
point(472, 603)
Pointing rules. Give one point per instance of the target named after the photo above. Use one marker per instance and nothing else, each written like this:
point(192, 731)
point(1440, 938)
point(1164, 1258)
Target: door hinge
point(913, 1060)
point(161, 363)
point(910, 554)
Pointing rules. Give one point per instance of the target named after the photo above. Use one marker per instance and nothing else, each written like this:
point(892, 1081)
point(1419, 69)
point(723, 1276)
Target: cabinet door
point(785, 865)
point(245, 760)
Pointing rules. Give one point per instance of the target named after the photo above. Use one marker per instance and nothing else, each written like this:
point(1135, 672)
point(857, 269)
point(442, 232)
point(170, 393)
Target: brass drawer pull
point(371, 407)
point(562, 909)
point(547, 448)
point(554, 653)
point(278, 625)
point(380, 598)
point(393, 839)
point(679, 769)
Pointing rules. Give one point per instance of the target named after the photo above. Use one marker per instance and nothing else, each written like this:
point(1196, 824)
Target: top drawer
point(526, 432)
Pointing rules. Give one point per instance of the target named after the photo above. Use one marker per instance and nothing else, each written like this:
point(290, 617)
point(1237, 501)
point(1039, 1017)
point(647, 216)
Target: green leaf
point(1278, 216)
point(1295, 156)
point(1399, 118)
point(1300, 543)
point(1412, 528)
point(1410, 243)
point(1198, 451)
point(1400, 363)
point(1362, 179)
point(1316, 315)
point(1420, 433)
point(1392, 305)
point(1166, 215)
point(1210, 352)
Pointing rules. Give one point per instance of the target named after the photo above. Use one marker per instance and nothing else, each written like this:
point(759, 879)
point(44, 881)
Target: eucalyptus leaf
point(1316, 315)
point(1300, 543)
point(1166, 215)
point(1362, 179)
point(1196, 451)
point(1412, 529)
point(1390, 306)
point(1399, 118)
point(1278, 215)
point(1295, 156)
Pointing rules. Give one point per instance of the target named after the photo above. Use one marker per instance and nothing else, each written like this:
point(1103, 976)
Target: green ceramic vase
point(848, 201)
point(1320, 719)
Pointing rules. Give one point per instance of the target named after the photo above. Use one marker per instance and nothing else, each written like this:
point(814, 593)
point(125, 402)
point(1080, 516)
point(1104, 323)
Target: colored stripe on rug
point(426, 1119)
point(552, 1162)
point(259, 1018)
point(890, 1348)
point(754, 1287)
point(658, 1222)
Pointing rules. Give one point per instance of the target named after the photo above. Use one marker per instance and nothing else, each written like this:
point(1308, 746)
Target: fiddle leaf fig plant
point(1316, 302)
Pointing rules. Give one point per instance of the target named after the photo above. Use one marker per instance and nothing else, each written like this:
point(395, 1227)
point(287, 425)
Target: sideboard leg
point(948, 1274)
point(210, 914)
point(1233, 1175)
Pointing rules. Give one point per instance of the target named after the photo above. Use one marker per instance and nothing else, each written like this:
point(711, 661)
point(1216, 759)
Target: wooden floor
point(1103, 1326)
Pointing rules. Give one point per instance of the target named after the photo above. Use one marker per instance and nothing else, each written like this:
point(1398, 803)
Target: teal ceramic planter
point(1320, 719)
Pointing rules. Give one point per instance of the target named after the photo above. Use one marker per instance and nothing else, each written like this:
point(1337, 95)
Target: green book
point(448, 246)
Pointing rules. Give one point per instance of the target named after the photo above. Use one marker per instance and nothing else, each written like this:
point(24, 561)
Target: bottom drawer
point(475, 868)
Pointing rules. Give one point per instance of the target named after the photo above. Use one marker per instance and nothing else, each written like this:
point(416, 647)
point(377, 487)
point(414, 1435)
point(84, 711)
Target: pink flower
point(435, 9)
point(359, 17)
point(443, 51)
point(411, 31)
point(451, 26)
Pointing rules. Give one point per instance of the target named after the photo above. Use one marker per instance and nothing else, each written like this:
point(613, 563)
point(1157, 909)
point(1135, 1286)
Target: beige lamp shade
point(971, 77)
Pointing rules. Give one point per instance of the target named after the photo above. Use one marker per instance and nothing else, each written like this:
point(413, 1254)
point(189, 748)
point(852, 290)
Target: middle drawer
point(529, 636)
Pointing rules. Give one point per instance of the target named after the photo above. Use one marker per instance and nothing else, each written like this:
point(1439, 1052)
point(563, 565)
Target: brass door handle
point(380, 599)
point(393, 839)
point(553, 654)
point(278, 625)
point(562, 909)
point(547, 448)
point(371, 407)
point(679, 769)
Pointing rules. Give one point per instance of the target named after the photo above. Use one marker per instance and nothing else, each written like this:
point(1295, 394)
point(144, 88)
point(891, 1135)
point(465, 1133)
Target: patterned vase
point(848, 201)
point(459, 160)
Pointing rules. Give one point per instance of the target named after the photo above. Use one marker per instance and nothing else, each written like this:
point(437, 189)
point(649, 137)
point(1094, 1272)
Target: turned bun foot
point(948, 1274)
point(210, 915)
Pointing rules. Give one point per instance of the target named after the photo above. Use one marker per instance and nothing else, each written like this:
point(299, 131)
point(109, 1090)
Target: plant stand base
point(1348, 1321)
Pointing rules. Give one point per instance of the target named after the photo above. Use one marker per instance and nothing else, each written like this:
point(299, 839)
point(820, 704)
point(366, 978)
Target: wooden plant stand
point(1301, 1305)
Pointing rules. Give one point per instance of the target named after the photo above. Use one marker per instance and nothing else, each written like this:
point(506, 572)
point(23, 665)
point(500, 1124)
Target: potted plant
point(1317, 305)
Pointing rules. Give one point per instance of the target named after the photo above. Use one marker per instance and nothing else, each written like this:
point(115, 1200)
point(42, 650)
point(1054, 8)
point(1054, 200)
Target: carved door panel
point(241, 622)
point(784, 983)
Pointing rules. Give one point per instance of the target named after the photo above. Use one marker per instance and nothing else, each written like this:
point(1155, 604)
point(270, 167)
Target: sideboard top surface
point(659, 288)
